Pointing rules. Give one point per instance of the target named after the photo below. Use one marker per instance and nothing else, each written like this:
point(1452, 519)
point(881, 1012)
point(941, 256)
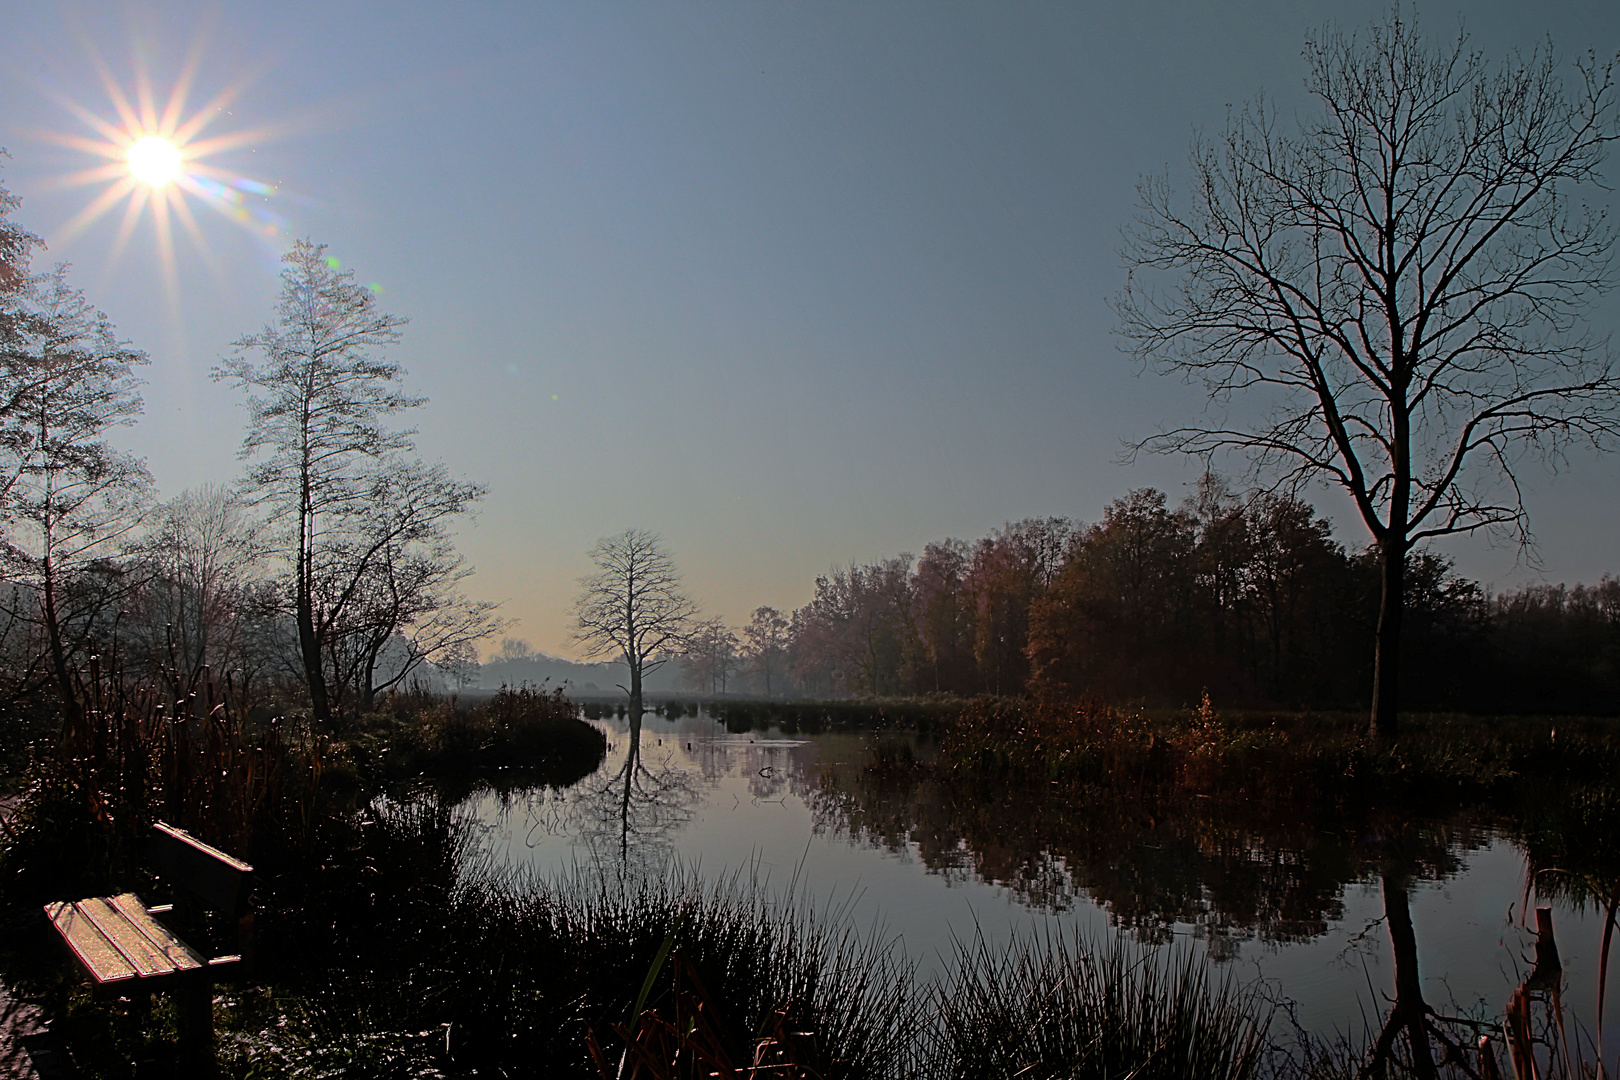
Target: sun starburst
point(153, 162)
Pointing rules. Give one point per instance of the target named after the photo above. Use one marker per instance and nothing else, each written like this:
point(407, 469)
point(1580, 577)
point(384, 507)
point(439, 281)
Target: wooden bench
point(127, 952)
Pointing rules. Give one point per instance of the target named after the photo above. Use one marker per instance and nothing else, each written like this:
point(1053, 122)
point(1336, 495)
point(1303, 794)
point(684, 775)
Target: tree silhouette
point(362, 523)
point(1397, 290)
point(767, 637)
point(632, 608)
point(66, 494)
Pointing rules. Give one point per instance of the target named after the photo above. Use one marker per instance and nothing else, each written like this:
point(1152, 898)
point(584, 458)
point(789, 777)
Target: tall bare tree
point(358, 515)
point(1397, 290)
point(67, 496)
point(632, 608)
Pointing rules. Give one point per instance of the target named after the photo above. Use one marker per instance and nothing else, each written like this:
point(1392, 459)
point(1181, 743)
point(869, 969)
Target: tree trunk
point(309, 644)
point(1387, 641)
point(635, 691)
point(53, 630)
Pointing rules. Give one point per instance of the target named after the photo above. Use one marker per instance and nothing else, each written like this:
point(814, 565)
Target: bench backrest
point(215, 879)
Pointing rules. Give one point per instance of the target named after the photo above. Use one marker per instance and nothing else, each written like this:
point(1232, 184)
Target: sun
point(152, 157)
point(155, 161)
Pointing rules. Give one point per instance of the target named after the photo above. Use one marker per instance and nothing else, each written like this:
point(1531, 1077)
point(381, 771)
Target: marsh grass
point(516, 975)
point(507, 974)
point(1054, 1007)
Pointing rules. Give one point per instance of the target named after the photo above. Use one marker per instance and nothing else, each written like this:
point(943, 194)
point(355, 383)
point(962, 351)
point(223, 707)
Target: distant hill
point(573, 677)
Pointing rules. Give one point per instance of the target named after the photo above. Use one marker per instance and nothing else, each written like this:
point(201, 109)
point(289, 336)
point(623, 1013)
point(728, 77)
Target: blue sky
point(792, 284)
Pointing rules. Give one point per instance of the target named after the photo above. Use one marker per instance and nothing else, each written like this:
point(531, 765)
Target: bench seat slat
point(178, 954)
point(116, 939)
point(143, 956)
point(99, 956)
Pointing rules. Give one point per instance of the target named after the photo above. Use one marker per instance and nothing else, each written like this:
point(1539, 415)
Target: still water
point(1296, 906)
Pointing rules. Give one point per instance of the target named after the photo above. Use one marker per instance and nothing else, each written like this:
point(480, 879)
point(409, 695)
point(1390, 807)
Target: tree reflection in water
point(1270, 864)
point(1231, 869)
point(628, 820)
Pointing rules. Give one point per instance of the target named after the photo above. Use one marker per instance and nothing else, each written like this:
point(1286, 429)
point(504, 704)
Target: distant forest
point(1247, 597)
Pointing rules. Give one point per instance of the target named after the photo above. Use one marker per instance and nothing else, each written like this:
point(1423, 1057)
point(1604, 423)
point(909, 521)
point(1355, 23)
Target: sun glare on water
point(155, 161)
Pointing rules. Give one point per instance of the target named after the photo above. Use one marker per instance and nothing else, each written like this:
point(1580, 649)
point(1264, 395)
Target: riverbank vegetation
point(1251, 755)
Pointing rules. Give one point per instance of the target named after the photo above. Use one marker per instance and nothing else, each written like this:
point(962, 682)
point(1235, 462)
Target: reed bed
point(1054, 1007)
point(569, 977)
point(518, 976)
point(518, 734)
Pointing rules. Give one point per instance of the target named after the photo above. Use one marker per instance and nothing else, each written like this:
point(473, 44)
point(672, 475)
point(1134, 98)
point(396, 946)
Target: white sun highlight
point(152, 159)
point(155, 161)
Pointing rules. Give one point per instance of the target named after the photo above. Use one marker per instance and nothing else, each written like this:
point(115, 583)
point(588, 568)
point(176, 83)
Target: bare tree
point(363, 525)
point(1397, 290)
point(514, 650)
point(67, 496)
point(204, 560)
point(317, 405)
point(391, 598)
point(632, 608)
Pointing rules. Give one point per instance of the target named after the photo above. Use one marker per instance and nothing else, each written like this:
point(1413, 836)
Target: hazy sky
point(792, 284)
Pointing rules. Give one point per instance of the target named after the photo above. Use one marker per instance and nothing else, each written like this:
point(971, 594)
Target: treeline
point(326, 575)
point(1246, 596)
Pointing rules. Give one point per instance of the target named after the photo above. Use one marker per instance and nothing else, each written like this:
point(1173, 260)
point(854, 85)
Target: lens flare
point(155, 161)
point(152, 157)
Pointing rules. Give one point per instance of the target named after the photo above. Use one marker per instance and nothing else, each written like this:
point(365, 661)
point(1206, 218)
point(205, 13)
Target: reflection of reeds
point(1055, 1007)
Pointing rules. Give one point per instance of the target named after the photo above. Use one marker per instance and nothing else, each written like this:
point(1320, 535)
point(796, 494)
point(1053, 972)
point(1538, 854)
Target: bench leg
point(194, 1015)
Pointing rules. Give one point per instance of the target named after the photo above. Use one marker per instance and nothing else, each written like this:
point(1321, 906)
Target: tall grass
point(1054, 1007)
point(513, 973)
point(129, 754)
point(517, 975)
